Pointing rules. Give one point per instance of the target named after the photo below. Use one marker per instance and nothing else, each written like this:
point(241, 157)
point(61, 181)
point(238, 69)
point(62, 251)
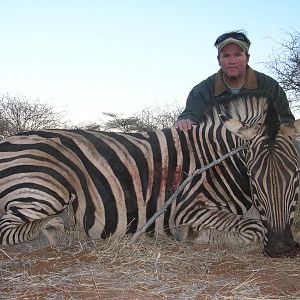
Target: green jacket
point(214, 86)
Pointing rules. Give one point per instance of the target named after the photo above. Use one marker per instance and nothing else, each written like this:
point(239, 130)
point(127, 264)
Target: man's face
point(233, 61)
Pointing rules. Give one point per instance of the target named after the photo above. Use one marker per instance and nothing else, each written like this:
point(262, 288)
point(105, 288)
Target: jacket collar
point(250, 82)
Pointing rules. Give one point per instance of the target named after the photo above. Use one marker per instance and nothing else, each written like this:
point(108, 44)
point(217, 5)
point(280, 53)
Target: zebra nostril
point(284, 248)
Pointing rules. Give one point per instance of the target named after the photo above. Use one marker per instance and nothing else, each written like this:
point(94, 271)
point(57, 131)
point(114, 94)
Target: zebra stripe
point(115, 182)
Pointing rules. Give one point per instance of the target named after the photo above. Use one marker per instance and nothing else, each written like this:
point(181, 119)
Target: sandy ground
point(150, 268)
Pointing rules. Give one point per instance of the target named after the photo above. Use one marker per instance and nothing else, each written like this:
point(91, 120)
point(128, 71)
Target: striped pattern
point(116, 182)
point(275, 182)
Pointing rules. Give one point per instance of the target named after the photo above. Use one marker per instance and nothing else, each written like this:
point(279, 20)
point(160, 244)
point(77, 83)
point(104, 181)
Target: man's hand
point(184, 124)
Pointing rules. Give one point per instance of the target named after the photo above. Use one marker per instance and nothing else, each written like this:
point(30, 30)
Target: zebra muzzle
point(283, 249)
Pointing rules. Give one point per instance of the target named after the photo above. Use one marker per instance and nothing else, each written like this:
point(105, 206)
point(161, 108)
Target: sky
point(85, 57)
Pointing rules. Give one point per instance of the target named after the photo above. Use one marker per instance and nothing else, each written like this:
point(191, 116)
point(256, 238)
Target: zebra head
point(272, 165)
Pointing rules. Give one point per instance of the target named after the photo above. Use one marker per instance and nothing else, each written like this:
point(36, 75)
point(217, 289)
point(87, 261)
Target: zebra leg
point(14, 230)
point(219, 227)
point(26, 221)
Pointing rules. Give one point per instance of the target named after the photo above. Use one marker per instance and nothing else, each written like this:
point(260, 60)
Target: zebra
point(116, 181)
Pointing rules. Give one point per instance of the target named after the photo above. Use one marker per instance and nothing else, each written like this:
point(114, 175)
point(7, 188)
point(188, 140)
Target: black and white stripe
point(116, 181)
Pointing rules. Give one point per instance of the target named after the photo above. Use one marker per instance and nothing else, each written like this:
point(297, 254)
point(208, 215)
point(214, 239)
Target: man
point(234, 77)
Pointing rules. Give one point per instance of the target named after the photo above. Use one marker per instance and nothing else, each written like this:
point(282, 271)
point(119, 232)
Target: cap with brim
point(243, 45)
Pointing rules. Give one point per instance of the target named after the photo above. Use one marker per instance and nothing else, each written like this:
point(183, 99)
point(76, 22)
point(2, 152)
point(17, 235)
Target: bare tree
point(120, 123)
point(93, 126)
point(156, 117)
point(150, 118)
point(17, 113)
point(284, 63)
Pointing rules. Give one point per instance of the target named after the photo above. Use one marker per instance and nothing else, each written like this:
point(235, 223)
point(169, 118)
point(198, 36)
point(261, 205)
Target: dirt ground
point(150, 268)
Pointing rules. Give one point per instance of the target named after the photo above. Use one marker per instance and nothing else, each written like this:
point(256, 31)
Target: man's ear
point(218, 57)
point(248, 57)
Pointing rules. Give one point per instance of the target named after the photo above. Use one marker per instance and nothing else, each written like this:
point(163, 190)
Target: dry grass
point(151, 268)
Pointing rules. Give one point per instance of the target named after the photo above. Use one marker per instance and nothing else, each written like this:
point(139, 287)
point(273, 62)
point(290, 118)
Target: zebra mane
point(248, 107)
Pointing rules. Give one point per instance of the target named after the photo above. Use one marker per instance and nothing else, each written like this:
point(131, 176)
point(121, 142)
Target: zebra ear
point(291, 129)
point(244, 131)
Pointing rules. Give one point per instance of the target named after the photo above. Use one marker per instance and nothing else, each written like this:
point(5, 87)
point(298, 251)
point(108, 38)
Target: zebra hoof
point(53, 233)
